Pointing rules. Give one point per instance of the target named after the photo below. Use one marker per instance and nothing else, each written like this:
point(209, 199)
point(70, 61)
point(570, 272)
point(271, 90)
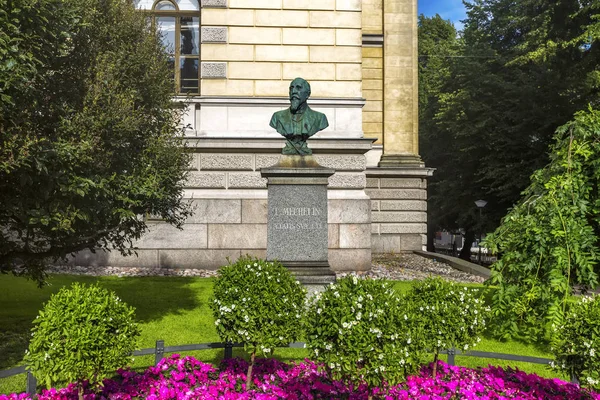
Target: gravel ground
point(401, 267)
point(407, 267)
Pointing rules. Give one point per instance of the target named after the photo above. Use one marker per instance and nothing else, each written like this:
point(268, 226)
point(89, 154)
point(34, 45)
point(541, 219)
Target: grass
point(176, 310)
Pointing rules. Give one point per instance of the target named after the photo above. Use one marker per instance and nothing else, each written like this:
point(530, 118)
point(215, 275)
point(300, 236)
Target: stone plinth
point(297, 231)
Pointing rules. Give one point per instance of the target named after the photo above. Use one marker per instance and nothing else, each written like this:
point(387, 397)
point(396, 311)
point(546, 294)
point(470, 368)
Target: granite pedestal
point(297, 218)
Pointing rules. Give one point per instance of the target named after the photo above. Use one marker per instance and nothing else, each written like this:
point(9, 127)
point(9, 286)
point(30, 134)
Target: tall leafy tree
point(438, 43)
point(89, 138)
point(524, 69)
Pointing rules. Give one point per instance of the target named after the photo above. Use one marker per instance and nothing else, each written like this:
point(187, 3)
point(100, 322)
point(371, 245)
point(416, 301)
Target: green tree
point(438, 44)
point(524, 68)
point(89, 133)
point(549, 241)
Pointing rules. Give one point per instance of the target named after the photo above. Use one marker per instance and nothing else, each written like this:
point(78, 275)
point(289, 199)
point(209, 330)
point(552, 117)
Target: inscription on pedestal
point(304, 220)
point(297, 229)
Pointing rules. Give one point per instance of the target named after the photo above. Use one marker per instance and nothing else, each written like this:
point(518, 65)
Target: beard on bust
point(295, 104)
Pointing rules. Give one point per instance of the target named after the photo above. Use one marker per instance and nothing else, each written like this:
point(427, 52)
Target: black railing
point(159, 350)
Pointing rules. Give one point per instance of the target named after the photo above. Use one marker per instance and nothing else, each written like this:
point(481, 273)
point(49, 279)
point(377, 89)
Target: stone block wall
point(398, 208)
point(372, 69)
point(262, 45)
point(229, 199)
point(360, 58)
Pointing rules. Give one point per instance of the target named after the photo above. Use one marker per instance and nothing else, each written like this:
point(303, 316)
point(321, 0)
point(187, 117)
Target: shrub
point(576, 343)
point(549, 239)
point(82, 333)
point(259, 304)
point(449, 316)
point(358, 329)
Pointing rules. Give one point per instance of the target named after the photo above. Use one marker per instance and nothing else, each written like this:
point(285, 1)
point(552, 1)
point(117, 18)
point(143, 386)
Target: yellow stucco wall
point(372, 17)
point(372, 69)
point(270, 42)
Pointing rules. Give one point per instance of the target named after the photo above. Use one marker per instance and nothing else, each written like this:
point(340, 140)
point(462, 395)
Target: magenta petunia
point(185, 378)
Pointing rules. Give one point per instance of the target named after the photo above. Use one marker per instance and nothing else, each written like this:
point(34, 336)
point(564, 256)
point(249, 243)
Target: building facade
point(233, 61)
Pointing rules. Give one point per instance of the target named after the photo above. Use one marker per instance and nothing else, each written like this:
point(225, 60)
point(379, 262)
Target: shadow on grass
point(153, 298)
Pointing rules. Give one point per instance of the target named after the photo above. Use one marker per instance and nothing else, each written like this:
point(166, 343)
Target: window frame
point(178, 14)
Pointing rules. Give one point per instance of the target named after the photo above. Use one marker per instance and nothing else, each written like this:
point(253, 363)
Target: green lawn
point(173, 309)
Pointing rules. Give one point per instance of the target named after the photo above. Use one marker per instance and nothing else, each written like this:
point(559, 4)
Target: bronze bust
point(298, 122)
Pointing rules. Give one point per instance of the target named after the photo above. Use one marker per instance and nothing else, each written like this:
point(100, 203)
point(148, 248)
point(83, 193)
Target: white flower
point(319, 311)
point(328, 346)
point(409, 341)
point(217, 322)
point(381, 356)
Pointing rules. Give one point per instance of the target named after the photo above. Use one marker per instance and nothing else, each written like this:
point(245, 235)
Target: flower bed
point(187, 378)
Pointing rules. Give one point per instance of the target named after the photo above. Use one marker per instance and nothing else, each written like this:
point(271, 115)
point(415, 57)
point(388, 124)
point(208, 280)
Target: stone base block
point(357, 260)
point(382, 244)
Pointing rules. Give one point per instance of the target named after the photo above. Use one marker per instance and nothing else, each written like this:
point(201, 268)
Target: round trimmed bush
point(449, 315)
point(576, 343)
point(83, 333)
point(359, 330)
point(259, 304)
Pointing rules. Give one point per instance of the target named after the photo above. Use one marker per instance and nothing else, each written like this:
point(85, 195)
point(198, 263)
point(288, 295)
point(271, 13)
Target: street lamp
point(480, 204)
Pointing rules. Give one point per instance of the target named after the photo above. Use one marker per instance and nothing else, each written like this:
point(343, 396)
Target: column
point(400, 84)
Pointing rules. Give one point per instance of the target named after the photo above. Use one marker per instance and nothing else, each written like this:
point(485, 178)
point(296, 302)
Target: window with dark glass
point(179, 25)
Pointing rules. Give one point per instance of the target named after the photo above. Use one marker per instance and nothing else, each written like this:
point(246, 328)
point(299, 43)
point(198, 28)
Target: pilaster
point(400, 84)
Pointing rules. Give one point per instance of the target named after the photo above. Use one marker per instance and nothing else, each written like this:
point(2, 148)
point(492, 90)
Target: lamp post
point(480, 204)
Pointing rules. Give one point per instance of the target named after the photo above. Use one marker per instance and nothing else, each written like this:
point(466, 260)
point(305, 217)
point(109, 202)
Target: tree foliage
point(88, 130)
point(549, 240)
point(521, 69)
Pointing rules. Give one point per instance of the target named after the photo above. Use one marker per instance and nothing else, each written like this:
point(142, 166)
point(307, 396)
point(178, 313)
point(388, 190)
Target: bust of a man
point(298, 122)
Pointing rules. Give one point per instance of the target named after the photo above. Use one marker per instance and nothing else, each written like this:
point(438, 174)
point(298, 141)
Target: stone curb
point(457, 263)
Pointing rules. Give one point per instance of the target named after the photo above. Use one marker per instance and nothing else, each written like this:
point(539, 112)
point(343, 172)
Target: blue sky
point(453, 10)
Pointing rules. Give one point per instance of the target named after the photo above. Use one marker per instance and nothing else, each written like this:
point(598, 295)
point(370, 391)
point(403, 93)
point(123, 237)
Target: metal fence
point(159, 350)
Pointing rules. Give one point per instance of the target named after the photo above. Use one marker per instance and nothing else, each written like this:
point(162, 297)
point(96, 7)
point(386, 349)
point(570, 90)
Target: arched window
point(179, 24)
